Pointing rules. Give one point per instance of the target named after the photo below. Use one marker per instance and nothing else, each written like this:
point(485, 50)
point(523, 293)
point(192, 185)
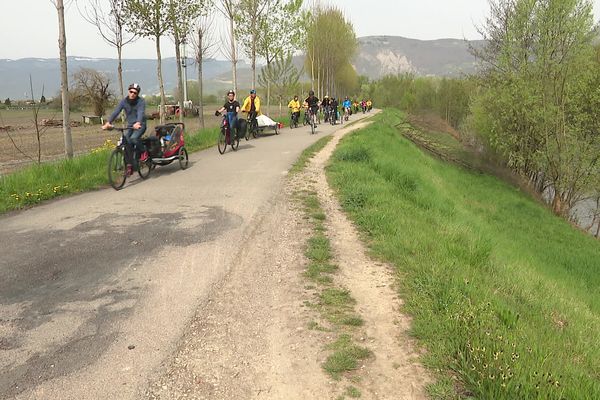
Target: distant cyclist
point(232, 107)
point(333, 106)
point(294, 106)
point(325, 107)
point(312, 102)
point(135, 108)
point(347, 105)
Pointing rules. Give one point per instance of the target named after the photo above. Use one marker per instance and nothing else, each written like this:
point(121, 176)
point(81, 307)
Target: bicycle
point(294, 120)
point(252, 126)
point(333, 115)
point(313, 122)
point(225, 136)
point(118, 170)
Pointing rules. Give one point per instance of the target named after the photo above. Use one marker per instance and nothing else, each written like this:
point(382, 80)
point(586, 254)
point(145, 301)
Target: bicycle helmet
point(311, 93)
point(253, 91)
point(231, 92)
point(135, 87)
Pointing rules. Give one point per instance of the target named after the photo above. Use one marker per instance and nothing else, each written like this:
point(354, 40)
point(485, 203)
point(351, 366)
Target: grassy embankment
point(505, 296)
point(36, 183)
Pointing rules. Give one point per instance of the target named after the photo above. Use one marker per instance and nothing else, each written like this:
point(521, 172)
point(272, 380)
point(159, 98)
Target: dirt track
point(189, 284)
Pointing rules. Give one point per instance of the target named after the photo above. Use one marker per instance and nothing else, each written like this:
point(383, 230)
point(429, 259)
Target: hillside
point(377, 56)
point(45, 73)
point(382, 55)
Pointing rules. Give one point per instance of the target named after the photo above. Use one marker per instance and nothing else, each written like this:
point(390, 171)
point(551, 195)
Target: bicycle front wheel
point(222, 143)
point(144, 169)
point(117, 169)
point(235, 142)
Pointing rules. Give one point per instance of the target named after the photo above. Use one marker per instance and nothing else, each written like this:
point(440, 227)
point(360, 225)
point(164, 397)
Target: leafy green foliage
point(330, 45)
point(540, 95)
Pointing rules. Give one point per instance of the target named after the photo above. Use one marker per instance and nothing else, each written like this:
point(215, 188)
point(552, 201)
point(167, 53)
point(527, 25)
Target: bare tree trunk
point(120, 70)
point(268, 96)
point(36, 112)
point(160, 81)
point(179, 80)
point(233, 55)
point(254, 64)
point(64, 81)
point(200, 88)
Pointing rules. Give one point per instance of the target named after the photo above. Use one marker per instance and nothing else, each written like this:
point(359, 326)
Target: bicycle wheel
point(312, 125)
point(117, 169)
point(144, 168)
point(254, 127)
point(235, 142)
point(182, 156)
point(222, 143)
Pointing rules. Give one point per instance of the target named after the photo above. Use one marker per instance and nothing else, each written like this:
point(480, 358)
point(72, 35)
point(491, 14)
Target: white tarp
point(263, 120)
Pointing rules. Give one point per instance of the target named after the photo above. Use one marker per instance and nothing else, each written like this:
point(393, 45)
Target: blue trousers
point(133, 138)
point(232, 119)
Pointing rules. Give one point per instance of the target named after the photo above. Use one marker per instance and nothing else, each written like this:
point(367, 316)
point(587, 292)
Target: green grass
point(504, 295)
point(334, 304)
point(308, 153)
point(345, 357)
point(37, 183)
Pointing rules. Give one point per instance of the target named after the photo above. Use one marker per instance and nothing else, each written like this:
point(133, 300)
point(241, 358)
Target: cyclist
point(333, 106)
point(369, 105)
point(232, 107)
point(325, 107)
point(312, 103)
point(347, 105)
point(251, 105)
point(135, 108)
point(294, 106)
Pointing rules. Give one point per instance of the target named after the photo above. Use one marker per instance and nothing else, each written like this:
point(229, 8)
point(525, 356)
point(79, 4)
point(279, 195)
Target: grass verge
point(503, 294)
point(308, 153)
point(37, 183)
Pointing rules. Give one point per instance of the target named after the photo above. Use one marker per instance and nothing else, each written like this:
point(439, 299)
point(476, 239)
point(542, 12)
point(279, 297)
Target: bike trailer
point(170, 137)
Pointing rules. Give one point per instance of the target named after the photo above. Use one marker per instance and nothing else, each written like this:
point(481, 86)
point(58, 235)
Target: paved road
point(95, 289)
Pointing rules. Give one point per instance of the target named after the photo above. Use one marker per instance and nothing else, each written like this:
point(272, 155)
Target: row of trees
point(330, 46)
point(270, 30)
point(536, 100)
point(448, 98)
point(539, 104)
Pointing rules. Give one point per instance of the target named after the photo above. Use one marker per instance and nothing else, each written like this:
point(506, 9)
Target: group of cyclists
point(329, 107)
point(134, 107)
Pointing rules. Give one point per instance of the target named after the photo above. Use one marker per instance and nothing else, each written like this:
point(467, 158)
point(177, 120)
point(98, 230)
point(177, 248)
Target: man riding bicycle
point(232, 107)
point(347, 105)
point(135, 108)
point(312, 102)
point(251, 106)
point(294, 106)
point(325, 107)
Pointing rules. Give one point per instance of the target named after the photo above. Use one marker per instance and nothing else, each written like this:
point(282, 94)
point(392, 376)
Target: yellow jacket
point(247, 104)
point(294, 105)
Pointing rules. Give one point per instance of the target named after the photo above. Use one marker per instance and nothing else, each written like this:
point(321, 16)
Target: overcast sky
point(30, 27)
